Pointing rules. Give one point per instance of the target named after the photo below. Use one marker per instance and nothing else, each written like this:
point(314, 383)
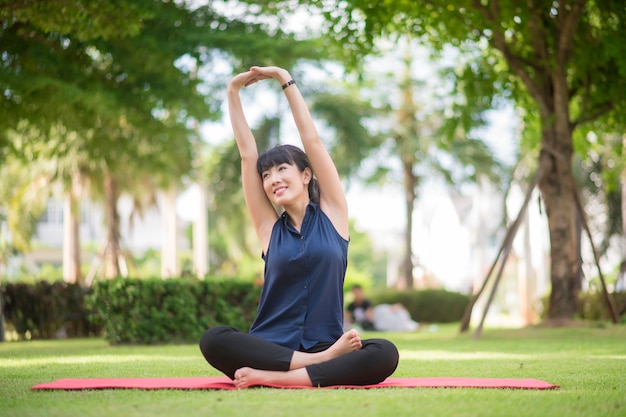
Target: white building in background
point(47, 242)
point(139, 233)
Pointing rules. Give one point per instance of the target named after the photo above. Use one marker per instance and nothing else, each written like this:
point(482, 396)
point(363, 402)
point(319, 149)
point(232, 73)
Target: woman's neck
point(296, 213)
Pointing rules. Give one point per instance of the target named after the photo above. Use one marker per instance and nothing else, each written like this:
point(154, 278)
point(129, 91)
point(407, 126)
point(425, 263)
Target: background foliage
point(426, 306)
point(154, 310)
point(48, 310)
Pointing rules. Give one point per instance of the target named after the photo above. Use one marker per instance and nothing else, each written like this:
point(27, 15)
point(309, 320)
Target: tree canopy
point(119, 84)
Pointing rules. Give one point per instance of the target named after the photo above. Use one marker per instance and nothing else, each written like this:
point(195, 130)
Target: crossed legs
point(297, 375)
point(250, 361)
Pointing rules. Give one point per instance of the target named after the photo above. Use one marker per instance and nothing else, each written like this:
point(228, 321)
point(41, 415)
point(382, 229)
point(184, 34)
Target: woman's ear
point(307, 175)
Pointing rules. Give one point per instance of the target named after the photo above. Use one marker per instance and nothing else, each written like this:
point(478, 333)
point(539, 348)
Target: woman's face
point(285, 183)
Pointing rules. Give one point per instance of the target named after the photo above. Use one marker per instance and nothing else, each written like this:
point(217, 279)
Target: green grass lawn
point(589, 364)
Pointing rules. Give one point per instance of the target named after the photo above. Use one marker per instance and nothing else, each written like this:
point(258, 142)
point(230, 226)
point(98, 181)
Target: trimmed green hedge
point(127, 310)
point(426, 306)
point(149, 311)
point(592, 306)
point(45, 310)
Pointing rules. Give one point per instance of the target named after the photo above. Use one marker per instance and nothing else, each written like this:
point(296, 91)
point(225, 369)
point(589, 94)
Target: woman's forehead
point(277, 164)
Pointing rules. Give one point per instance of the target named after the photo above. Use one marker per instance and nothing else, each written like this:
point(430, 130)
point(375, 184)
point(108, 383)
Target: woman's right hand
point(246, 79)
point(240, 80)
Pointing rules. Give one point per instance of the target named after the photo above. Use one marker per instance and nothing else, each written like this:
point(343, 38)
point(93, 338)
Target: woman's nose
point(274, 177)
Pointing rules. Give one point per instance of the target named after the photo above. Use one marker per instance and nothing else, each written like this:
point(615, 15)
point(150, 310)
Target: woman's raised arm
point(261, 210)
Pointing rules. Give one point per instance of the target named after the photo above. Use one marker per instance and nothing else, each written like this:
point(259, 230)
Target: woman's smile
point(278, 191)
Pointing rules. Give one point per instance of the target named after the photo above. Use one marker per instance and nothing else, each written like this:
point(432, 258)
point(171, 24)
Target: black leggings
point(228, 349)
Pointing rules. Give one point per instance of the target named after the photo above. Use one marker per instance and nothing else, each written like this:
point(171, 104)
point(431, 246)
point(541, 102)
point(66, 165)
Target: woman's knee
point(214, 339)
point(391, 352)
point(387, 356)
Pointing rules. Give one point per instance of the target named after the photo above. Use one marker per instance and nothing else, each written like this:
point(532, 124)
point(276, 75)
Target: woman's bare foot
point(348, 342)
point(248, 377)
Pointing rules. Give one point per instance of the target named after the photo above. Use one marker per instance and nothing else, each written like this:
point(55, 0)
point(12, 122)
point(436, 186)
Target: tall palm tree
point(429, 140)
point(422, 147)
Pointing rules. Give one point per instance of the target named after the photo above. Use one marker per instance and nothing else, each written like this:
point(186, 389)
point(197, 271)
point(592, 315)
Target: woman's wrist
point(287, 84)
point(283, 77)
point(231, 89)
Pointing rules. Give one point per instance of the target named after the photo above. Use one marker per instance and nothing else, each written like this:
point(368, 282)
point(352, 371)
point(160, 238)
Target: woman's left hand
point(280, 74)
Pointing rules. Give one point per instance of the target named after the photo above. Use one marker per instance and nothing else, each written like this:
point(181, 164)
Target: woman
point(297, 337)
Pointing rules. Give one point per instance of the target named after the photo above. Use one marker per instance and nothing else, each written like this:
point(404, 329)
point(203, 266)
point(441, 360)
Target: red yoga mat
point(222, 382)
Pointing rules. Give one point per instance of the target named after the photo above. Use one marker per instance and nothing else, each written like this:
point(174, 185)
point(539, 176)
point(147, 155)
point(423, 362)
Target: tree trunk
point(546, 80)
point(406, 142)
point(622, 276)
point(557, 191)
point(623, 185)
point(200, 235)
point(557, 184)
point(71, 233)
point(169, 249)
point(113, 251)
point(526, 277)
point(410, 184)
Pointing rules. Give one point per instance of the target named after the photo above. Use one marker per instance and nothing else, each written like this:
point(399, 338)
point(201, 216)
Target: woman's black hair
point(289, 154)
